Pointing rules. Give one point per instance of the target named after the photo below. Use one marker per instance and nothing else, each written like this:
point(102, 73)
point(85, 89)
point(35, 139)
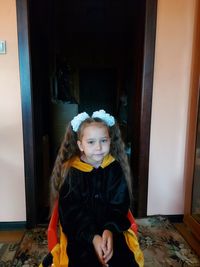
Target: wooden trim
point(12, 225)
point(27, 110)
point(175, 218)
point(142, 95)
point(146, 100)
point(188, 236)
point(192, 126)
point(193, 225)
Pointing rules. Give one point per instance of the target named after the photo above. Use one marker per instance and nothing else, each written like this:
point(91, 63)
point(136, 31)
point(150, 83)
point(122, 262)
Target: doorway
point(85, 55)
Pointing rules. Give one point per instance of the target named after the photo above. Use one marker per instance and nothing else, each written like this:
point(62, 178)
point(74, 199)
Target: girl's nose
point(98, 147)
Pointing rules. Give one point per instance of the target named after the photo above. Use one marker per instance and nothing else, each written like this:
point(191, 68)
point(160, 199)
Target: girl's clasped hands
point(103, 246)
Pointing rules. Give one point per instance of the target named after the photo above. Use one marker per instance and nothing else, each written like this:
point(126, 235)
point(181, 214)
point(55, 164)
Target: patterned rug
point(32, 249)
point(161, 243)
point(7, 253)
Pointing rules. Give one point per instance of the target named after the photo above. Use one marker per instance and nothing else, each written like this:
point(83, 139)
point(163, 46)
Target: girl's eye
point(90, 142)
point(104, 140)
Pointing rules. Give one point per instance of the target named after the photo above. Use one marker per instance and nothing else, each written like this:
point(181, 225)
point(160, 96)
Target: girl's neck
point(93, 164)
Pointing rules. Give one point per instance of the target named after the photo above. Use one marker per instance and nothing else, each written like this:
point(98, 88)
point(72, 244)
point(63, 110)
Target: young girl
point(91, 178)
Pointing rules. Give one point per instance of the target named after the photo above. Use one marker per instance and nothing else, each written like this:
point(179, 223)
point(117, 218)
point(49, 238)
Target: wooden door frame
point(144, 71)
point(27, 111)
point(194, 103)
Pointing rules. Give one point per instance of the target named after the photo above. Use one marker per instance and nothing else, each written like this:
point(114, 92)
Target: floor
point(16, 236)
point(11, 236)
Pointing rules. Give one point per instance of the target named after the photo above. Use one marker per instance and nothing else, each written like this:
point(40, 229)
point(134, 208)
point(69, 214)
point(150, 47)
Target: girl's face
point(94, 143)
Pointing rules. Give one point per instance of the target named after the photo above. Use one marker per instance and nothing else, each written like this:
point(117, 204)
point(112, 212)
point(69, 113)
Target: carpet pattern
point(7, 254)
point(162, 246)
point(32, 250)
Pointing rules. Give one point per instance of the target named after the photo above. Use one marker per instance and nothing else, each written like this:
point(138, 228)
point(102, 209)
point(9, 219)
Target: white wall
point(175, 22)
point(12, 187)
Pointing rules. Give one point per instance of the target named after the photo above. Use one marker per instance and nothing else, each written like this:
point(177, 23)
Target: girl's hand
point(107, 245)
point(97, 242)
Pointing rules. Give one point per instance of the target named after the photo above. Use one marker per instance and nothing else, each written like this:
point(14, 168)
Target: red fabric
point(52, 236)
point(134, 226)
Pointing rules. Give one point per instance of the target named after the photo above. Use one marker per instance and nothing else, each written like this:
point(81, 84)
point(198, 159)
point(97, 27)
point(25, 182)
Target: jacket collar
point(85, 167)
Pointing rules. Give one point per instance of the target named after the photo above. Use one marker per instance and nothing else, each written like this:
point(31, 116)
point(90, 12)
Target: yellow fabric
point(107, 160)
point(56, 251)
point(85, 167)
point(60, 258)
point(80, 165)
point(132, 242)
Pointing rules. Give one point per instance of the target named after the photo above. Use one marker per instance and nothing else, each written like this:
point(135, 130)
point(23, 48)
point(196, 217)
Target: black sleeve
point(119, 201)
point(76, 221)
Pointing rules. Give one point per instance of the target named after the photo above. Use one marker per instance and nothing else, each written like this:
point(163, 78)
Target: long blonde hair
point(69, 149)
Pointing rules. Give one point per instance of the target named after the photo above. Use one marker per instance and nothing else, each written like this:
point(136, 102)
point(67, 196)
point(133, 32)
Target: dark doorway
point(85, 55)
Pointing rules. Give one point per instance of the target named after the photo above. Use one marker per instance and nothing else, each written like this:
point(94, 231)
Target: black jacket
point(92, 200)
